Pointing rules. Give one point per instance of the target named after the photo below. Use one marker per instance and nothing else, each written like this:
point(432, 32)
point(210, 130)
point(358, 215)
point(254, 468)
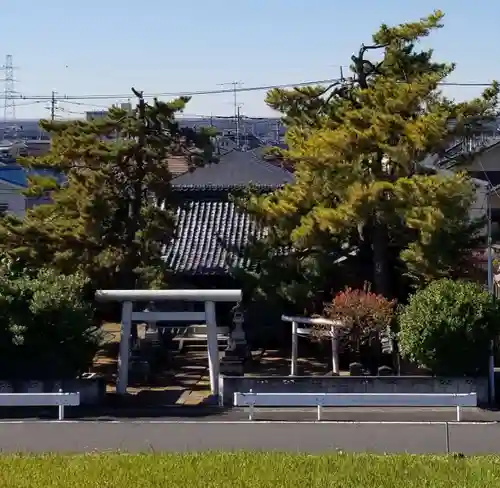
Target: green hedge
point(47, 329)
point(448, 326)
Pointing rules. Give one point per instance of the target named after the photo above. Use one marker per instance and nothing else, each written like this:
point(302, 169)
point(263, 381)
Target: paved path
point(157, 436)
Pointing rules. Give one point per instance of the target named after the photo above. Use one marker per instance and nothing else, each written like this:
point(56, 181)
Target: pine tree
point(356, 147)
point(112, 213)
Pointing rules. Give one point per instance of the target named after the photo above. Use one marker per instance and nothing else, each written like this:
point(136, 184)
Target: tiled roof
point(211, 233)
point(178, 165)
point(211, 236)
point(235, 169)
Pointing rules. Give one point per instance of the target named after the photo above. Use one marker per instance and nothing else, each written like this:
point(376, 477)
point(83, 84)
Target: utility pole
point(236, 85)
point(238, 137)
point(491, 364)
point(53, 106)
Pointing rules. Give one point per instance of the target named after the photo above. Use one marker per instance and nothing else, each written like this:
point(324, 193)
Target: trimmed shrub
point(447, 327)
point(365, 316)
point(47, 329)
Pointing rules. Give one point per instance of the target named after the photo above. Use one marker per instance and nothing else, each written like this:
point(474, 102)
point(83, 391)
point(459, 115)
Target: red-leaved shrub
point(363, 315)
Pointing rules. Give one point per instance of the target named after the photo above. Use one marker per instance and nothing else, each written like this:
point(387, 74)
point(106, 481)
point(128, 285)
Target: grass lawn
point(259, 470)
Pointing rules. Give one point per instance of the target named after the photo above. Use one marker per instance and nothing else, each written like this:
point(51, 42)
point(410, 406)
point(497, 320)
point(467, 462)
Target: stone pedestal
point(232, 364)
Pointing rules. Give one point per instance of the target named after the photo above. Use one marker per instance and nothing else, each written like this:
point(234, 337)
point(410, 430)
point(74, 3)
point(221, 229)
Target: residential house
point(479, 156)
point(10, 150)
point(12, 184)
point(37, 147)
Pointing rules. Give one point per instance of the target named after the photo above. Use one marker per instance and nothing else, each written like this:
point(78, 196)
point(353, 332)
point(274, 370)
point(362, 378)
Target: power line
point(180, 94)
point(26, 104)
point(180, 116)
point(219, 91)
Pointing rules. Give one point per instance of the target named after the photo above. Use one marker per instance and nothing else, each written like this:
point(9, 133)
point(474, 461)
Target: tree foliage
point(47, 329)
point(112, 208)
point(448, 326)
point(357, 148)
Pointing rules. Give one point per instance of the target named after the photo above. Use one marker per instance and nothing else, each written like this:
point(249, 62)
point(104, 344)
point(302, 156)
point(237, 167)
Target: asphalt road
point(168, 436)
point(205, 413)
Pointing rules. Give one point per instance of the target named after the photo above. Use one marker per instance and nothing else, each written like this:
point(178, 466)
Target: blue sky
point(107, 46)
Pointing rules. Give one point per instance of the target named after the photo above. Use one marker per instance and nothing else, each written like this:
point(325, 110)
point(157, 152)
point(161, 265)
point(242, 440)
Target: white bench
point(59, 399)
point(320, 400)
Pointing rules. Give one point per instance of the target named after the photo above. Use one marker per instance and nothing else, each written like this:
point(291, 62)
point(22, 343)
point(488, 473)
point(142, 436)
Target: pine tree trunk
point(381, 280)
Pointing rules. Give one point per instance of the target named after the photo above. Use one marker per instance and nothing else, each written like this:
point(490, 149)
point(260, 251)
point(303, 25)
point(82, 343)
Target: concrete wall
point(92, 390)
point(351, 384)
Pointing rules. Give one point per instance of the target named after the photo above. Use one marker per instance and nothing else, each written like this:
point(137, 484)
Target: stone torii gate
point(334, 325)
point(128, 297)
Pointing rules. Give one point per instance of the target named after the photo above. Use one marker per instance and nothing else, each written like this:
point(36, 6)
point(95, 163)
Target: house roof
point(178, 165)
point(14, 174)
point(211, 236)
point(236, 169)
point(211, 232)
point(467, 146)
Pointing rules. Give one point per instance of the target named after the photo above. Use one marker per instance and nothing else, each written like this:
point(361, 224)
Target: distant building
point(99, 114)
point(23, 129)
point(37, 147)
point(479, 157)
point(10, 150)
point(13, 182)
point(95, 114)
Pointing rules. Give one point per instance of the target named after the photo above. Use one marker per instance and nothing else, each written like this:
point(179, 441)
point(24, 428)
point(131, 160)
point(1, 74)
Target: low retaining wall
point(351, 384)
point(92, 390)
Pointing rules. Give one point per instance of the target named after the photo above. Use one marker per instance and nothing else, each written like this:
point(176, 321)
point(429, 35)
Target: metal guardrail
point(320, 400)
point(59, 399)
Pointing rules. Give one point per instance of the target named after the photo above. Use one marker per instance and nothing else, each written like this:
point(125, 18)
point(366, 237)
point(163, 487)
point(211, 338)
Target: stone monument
point(237, 349)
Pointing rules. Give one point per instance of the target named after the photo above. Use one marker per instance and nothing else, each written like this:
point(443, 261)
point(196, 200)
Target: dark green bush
point(47, 329)
point(447, 327)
